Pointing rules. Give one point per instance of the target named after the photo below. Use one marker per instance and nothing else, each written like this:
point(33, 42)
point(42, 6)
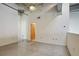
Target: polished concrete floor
point(27, 48)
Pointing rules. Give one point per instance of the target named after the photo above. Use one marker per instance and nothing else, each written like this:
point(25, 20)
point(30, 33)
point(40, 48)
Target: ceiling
point(29, 4)
point(38, 6)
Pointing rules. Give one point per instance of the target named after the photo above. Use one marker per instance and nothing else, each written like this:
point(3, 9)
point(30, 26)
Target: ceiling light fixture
point(32, 8)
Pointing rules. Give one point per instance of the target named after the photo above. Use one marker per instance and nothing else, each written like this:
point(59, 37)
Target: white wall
point(8, 21)
point(9, 25)
point(50, 27)
point(74, 22)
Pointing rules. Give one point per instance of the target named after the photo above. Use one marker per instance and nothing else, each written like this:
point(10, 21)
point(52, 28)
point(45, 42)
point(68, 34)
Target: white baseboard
point(51, 42)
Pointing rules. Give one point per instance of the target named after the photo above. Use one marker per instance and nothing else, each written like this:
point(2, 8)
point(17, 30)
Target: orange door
point(33, 31)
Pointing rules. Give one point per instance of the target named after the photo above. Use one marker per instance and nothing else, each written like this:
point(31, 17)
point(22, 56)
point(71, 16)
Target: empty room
point(39, 29)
